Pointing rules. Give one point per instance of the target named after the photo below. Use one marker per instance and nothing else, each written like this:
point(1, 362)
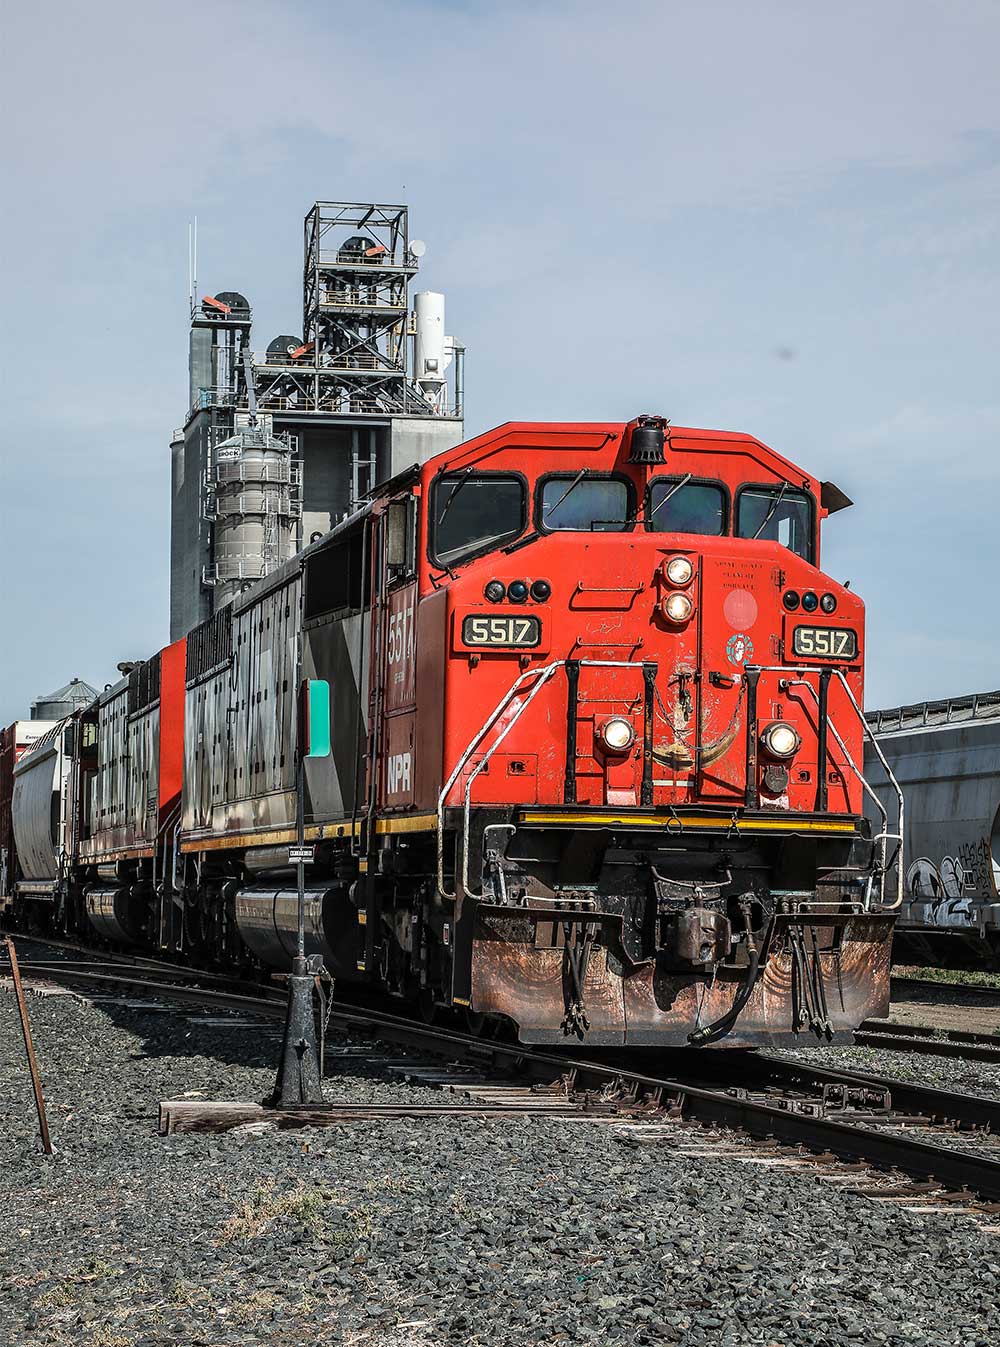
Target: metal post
point(299, 1080)
point(300, 868)
point(29, 1048)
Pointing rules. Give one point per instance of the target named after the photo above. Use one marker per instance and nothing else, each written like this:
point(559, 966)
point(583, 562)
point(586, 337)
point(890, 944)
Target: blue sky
point(777, 218)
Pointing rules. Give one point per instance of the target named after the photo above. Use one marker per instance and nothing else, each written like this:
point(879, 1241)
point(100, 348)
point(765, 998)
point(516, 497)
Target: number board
point(513, 632)
point(825, 642)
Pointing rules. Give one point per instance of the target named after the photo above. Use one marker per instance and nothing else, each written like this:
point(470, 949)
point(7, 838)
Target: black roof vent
point(648, 439)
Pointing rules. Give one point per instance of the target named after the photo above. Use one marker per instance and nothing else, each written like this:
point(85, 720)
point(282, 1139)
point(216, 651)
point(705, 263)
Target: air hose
point(710, 1033)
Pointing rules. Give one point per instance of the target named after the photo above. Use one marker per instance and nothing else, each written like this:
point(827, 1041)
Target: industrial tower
point(280, 444)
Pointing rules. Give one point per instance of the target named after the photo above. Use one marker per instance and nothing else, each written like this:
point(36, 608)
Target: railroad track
point(969, 990)
point(857, 1128)
point(924, 1038)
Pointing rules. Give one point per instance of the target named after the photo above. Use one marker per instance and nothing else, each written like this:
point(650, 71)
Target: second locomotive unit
point(596, 756)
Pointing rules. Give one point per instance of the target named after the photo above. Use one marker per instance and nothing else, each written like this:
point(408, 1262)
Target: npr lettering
point(399, 773)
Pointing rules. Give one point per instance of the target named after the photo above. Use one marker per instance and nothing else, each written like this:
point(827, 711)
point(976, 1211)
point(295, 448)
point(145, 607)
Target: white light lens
point(679, 570)
point(678, 608)
point(617, 734)
point(780, 740)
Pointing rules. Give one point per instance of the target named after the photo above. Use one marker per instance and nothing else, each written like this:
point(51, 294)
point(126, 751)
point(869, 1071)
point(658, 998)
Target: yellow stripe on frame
point(669, 822)
point(316, 832)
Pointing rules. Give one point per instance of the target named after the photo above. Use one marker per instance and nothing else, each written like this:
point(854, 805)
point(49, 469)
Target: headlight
point(517, 591)
point(828, 603)
point(780, 740)
point(678, 608)
point(809, 602)
point(791, 600)
point(679, 570)
point(617, 734)
point(540, 590)
point(495, 591)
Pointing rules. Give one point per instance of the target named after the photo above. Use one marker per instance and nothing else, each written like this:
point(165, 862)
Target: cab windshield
point(678, 505)
point(473, 513)
point(584, 504)
point(778, 514)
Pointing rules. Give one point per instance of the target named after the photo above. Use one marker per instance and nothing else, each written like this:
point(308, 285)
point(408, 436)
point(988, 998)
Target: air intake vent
point(210, 644)
point(143, 685)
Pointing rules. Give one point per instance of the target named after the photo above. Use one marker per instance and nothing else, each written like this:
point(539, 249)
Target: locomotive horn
point(646, 444)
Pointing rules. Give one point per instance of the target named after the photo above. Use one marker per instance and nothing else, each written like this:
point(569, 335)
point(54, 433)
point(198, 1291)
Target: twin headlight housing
point(678, 606)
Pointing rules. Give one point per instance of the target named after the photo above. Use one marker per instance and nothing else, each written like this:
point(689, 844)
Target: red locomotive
point(596, 751)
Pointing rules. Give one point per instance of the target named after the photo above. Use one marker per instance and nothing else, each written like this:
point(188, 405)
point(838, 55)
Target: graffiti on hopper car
point(969, 871)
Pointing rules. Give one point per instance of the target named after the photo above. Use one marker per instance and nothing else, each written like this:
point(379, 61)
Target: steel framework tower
point(279, 444)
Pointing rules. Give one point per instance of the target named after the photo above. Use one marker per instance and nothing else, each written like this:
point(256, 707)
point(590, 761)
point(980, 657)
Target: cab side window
point(473, 513)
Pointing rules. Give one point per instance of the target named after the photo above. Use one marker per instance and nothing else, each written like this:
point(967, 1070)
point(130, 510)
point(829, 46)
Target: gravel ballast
point(391, 1234)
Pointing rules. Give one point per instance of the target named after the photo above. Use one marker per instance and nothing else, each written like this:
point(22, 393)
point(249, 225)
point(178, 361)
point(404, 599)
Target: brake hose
point(710, 1033)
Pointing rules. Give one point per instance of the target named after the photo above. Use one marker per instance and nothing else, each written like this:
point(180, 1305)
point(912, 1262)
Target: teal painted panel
point(318, 718)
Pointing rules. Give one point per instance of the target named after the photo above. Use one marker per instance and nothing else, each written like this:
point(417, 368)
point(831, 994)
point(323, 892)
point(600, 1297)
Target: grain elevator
point(280, 443)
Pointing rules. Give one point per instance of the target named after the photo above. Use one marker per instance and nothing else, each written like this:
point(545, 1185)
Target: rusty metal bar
point(29, 1047)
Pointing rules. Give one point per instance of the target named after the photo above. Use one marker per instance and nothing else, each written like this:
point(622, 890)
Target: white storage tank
point(431, 354)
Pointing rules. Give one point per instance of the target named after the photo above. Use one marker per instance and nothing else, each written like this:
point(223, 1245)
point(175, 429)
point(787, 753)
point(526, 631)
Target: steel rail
point(958, 988)
point(922, 1039)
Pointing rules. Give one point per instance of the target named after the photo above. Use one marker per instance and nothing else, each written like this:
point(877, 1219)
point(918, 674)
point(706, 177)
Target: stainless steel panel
point(239, 734)
point(240, 722)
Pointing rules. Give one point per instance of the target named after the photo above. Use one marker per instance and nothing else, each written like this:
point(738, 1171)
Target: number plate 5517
point(491, 630)
point(825, 643)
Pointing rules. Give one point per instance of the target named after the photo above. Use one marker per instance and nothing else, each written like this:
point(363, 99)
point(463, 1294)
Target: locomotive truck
point(596, 754)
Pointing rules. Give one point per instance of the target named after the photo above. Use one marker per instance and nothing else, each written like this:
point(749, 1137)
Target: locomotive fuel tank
point(267, 920)
point(946, 756)
point(110, 913)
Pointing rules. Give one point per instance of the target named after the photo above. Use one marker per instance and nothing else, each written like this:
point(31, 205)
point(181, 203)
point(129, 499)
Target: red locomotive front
point(650, 807)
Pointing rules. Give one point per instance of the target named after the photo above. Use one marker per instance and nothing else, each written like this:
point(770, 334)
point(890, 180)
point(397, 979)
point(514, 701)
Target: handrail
point(884, 835)
point(867, 730)
point(544, 673)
